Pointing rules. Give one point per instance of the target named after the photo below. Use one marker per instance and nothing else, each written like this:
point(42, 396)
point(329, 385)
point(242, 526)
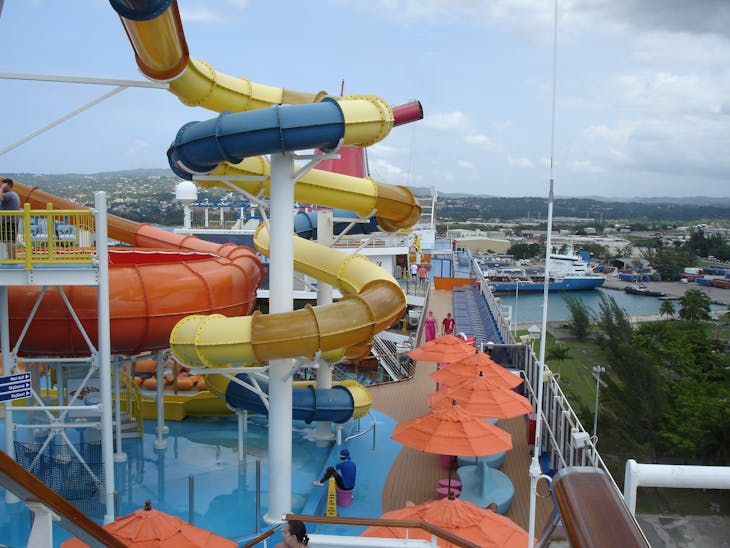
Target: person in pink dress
point(430, 330)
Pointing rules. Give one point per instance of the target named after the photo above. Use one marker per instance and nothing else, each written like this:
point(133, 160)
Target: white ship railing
point(565, 441)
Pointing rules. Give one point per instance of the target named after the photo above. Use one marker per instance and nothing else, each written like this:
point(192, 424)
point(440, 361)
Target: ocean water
point(527, 307)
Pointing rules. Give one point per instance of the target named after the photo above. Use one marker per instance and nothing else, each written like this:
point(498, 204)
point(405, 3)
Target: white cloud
point(482, 141)
point(386, 170)
point(201, 14)
point(584, 166)
point(450, 121)
point(519, 162)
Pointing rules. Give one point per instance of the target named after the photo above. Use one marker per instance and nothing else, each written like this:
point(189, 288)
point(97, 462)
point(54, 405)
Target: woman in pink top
point(430, 330)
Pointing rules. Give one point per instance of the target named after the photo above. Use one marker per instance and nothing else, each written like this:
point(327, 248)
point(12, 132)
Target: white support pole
point(104, 355)
point(119, 455)
point(281, 288)
point(161, 429)
point(8, 365)
point(325, 232)
point(41, 533)
point(242, 417)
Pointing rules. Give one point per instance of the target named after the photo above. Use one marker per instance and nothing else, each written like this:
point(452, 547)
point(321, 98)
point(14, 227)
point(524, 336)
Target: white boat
point(567, 272)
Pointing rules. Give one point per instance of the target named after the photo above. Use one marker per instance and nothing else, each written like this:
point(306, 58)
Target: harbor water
point(527, 307)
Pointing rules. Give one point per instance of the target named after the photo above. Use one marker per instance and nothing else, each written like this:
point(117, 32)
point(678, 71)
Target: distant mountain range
point(421, 191)
point(158, 185)
point(684, 200)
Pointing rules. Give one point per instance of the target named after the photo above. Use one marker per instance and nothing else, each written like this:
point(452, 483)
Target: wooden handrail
point(379, 522)
point(28, 488)
point(262, 536)
point(593, 511)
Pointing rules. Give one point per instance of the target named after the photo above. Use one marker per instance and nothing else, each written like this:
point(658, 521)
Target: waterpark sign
point(15, 387)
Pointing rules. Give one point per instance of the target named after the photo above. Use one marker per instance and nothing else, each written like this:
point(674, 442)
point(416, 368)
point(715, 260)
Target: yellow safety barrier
point(331, 498)
point(50, 236)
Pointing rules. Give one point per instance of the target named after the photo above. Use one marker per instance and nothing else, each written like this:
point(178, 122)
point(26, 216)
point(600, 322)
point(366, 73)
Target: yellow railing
point(42, 237)
point(133, 402)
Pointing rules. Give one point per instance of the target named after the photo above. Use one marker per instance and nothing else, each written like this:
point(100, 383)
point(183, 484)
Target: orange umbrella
point(452, 431)
point(148, 528)
point(446, 348)
point(469, 367)
point(468, 521)
point(484, 398)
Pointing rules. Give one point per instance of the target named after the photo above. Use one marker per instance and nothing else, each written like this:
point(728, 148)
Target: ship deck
point(415, 474)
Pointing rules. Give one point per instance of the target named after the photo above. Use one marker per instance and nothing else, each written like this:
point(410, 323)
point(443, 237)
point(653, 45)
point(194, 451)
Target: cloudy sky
point(642, 103)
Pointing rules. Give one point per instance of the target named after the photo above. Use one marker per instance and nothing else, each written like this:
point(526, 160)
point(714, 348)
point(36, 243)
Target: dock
point(675, 290)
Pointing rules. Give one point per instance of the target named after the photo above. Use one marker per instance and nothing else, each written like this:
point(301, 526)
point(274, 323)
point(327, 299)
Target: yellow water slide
point(373, 299)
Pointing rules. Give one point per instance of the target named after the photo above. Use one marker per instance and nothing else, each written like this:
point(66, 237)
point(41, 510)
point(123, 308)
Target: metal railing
point(564, 439)
point(133, 402)
point(47, 237)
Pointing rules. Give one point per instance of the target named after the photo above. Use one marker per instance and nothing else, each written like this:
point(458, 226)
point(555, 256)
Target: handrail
point(30, 489)
point(401, 523)
point(262, 536)
point(134, 398)
point(371, 427)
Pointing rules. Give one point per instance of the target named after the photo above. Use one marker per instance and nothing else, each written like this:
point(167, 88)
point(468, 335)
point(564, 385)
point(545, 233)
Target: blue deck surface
point(373, 466)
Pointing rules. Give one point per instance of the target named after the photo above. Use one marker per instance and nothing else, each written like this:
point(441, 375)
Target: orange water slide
point(152, 286)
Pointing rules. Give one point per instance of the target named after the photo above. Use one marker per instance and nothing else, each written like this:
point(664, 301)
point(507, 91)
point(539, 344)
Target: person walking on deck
point(429, 330)
point(448, 326)
point(422, 274)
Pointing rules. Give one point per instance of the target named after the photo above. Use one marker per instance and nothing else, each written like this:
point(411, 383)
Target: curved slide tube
point(373, 300)
point(156, 34)
point(163, 279)
point(344, 401)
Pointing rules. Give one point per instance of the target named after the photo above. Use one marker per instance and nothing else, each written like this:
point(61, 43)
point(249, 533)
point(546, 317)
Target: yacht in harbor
point(566, 272)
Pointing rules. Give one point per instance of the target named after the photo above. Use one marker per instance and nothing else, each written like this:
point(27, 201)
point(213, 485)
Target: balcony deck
point(415, 474)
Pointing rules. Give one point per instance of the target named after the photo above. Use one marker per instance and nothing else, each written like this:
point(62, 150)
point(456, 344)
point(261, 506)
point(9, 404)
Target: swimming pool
point(206, 448)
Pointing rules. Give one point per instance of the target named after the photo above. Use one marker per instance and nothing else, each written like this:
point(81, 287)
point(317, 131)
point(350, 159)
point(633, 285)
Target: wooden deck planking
point(415, 474)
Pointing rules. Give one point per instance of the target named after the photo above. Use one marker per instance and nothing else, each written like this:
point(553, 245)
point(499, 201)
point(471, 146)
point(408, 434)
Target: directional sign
point(14, 387)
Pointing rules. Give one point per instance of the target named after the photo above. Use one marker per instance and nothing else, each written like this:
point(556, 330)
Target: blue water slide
point(308, 403)
point(305, 223)
point(230, 137)
point(140, 10)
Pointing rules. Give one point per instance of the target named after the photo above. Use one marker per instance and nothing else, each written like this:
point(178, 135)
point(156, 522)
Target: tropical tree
point(694, 306)
point(558, 352)
point(580, 325)
point(669, 263)
point(667, 309)
point(614, 323)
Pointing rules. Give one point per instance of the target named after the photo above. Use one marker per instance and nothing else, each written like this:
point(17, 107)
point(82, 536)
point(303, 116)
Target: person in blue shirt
point(9, 201)
point(344, 472)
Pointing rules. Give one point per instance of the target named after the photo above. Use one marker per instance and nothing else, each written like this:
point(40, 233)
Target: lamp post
point(597, 370)
point(517, 299)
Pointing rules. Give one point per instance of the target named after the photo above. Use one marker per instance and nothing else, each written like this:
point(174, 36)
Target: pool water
point(224, 490)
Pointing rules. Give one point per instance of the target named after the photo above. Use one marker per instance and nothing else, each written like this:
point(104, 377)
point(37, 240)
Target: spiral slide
point(279, 121)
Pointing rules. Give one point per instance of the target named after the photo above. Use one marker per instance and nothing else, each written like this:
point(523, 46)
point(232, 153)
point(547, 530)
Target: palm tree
point(667, 309)
point(694, 306)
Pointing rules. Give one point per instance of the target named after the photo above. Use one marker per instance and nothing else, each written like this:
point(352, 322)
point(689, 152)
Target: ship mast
point(535, 470)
